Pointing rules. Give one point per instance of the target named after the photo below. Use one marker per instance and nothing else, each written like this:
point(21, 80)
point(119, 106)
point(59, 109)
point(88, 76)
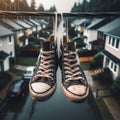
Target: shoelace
point(71, 66)
point(46, 65)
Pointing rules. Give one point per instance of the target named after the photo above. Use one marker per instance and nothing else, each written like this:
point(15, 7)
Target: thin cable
point(55, 27)
point(62, 27)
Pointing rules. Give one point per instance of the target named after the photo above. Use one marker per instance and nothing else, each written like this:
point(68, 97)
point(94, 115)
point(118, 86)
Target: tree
point(33, 6)
point(41, 8)
point(97, 6)
point(52, 9)
point(23, 5)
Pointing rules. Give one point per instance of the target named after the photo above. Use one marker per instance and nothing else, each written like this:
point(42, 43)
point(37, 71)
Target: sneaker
point(74, 84)
point(43, 82)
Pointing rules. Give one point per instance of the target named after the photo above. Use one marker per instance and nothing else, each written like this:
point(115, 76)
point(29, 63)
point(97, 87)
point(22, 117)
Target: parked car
point(17, 89)
point(28, 72)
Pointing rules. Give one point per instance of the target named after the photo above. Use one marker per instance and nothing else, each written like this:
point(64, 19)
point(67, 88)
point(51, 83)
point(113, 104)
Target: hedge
point(87, 53)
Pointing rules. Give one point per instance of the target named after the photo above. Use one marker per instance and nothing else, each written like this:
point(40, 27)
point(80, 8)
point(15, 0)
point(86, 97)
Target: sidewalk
point(20, 67)
point(110, 102)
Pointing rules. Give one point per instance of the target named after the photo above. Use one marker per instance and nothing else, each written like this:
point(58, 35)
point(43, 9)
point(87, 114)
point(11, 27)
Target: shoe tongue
point(71, 46)
point(46, 46)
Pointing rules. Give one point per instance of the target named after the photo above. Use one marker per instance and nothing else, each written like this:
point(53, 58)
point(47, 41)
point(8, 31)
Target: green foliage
point(41, 8)
point(116, 86)
point(104, 77)
point(86, 53)
point(97, 61)
point(97, 6)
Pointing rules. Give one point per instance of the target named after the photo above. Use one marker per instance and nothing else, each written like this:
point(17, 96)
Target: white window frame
point(112, 67)
point(113, 45)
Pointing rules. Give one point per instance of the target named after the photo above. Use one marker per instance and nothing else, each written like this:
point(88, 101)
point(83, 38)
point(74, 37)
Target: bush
point(97, 61)
point(116, 86)
point(95, 77)
point(105, 77)
point(5, 77)
point(86, 53)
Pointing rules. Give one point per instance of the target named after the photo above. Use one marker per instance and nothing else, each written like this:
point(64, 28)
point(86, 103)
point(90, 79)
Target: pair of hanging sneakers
point(43, 82)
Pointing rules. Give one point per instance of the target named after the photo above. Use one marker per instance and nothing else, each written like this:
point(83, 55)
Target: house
point(6, 48)
point(31, 24)
point(42, 22)
point(112, 46)
point(17, 29)
point(37, 26)
point(27, 31)
point(91, 32)
point(80, 24)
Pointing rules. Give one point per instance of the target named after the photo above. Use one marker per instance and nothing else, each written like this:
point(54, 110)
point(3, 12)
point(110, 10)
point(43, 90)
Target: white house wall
point(6, 64)
point(91, 36)
point(7, 46)
point(111, 49)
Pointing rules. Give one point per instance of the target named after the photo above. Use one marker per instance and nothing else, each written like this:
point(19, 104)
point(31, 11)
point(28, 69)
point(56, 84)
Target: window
point(117, 43)
point(10, 39)
point(11, 54)
point(109, 40)
point(113, 67)
point(114, 42)
point(111, 64)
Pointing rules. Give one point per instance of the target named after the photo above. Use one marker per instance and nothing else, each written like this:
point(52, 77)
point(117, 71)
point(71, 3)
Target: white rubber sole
point(72, 97)
point(42, 96)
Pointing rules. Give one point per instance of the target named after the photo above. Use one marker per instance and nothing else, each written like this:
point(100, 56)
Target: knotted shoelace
point(72, 71)
point(46, 66)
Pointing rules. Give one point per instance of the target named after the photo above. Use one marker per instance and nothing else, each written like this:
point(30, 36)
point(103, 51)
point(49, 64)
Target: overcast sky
point(61, 5)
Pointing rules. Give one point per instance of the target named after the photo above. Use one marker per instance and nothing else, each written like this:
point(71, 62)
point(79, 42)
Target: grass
point(85, 65)
point(104, 110)
point(26, 61)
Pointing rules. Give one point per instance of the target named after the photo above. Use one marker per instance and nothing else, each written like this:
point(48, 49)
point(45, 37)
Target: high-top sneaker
point(43, 82)
point(74, 83)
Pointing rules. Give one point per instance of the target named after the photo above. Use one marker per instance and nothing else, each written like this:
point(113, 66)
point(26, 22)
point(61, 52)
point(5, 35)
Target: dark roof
point(4, 31)
point(28, 22)
point(112, 57)
point(101, 23)
point(22, 23)
point(3, 55)
point(12, 24)
point(115, 32)
point(94, 22)
point(110, 26)
point(34, 22)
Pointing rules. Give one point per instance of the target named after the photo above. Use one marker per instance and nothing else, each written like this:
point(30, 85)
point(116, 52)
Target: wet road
point(55, 108)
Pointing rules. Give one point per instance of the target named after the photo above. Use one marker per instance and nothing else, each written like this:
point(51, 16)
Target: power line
point(73, 14)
